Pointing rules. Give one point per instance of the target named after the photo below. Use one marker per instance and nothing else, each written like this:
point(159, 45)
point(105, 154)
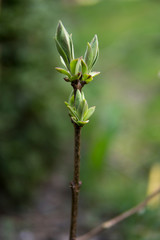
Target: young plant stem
point(76, 183)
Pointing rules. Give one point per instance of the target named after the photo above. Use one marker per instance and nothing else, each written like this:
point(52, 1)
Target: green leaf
point(66, 103)
point(71, 46)
point(74, 120)
point(62, 61)
point(62, 53)
point(79, 123)
point(85, 108)
point(72, 111)
point(63, 39)
point(89, 113)
point(77, 76)
point(71, 98)
point(82, 109)
point(93, 74)
point(82, 123)
point(63, 71)
point(82, 96)
point(96, 58)
point(94, 46)
point(84, 67)
point(88, 57)
point(71, 102)
point(85, 76)
point(77, 99)
point(89, 79)
point(74, 66)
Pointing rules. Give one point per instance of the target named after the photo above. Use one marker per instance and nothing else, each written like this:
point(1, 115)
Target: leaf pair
point(78, 108)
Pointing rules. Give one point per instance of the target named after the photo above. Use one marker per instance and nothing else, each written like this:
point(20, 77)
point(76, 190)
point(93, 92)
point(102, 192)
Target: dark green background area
point(121, 143)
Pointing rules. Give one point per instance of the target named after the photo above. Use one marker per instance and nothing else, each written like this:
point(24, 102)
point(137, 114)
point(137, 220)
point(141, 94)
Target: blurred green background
point(120, 145)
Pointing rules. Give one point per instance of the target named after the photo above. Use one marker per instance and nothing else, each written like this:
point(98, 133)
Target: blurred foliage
point(28, 126)
point(121, 143)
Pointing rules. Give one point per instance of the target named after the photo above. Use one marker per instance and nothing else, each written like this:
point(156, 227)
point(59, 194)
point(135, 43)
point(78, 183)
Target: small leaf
point(85, 76)
point(77, 76)
point(71, 46)
point(89, 79)
point(74, 66)
point(88, 57)
point(80, 110)
point(62, 53)
point(72, 111)
point(93, 74)
point(79, 123)
point(82, 123)
point(82, 96)
point(85, 108)
point(74, 120)
point(89, 113)
point(84, 67)
point(63, 71)
point(70, 97)
point(96, 58)
point(94, 46)
point(66, 103)
point(62, 61)
point(77, 99)
point(63, 39)
point(71, 102)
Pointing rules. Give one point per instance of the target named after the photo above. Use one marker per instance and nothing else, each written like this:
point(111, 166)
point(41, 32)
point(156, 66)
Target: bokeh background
point(120, 145)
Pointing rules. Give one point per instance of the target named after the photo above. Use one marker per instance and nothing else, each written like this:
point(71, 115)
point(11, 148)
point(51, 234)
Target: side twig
point(119, 218)
point(75, 184)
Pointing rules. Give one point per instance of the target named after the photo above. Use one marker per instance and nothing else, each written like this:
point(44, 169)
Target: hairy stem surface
point(75, 184)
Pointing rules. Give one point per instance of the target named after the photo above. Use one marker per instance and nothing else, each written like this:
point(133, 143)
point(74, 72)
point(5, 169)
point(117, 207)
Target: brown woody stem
point(76, 183)
point(77, 85)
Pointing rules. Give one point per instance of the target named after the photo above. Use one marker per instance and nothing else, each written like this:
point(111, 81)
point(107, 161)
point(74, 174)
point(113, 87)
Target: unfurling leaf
point(85, 76)
point(89, 113)
point(88, 57)
point(84, 67)
point(93, 74)
point(77, 99)
point(95, 49)
point(62, 53)
point(72, 111)
point(71, 46)
point(89, 79)
point(63, 39)
point(92, 52)
point(78, 109)
point(82, 123)
point(76, 69)
point(82, 109)
point(63, 71)
point(62, 61)
point(74, 66)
